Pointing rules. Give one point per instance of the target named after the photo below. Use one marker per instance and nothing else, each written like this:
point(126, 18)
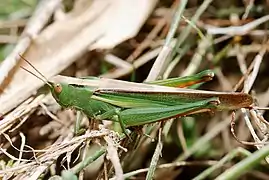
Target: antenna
point(33, 68)
point(45, 80)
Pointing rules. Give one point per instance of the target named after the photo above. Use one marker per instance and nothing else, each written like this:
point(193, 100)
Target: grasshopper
point(135, 104)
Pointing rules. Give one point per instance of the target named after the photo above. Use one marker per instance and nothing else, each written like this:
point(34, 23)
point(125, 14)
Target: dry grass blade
point(114, 158)
point(43, 161)
point(33, 28)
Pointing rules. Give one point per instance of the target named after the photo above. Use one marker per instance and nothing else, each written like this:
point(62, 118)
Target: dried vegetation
point(132, 40)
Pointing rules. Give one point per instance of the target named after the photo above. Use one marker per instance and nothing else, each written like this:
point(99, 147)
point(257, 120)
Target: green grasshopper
point(135, 104)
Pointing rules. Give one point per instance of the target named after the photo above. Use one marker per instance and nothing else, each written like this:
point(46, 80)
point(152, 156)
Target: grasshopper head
point(68, 95)
point(60, 93)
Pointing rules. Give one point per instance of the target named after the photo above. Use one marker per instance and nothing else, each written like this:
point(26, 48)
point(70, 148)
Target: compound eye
point(58, 88)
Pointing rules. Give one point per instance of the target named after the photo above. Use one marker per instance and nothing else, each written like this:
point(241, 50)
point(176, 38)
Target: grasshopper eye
point(58, 88)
